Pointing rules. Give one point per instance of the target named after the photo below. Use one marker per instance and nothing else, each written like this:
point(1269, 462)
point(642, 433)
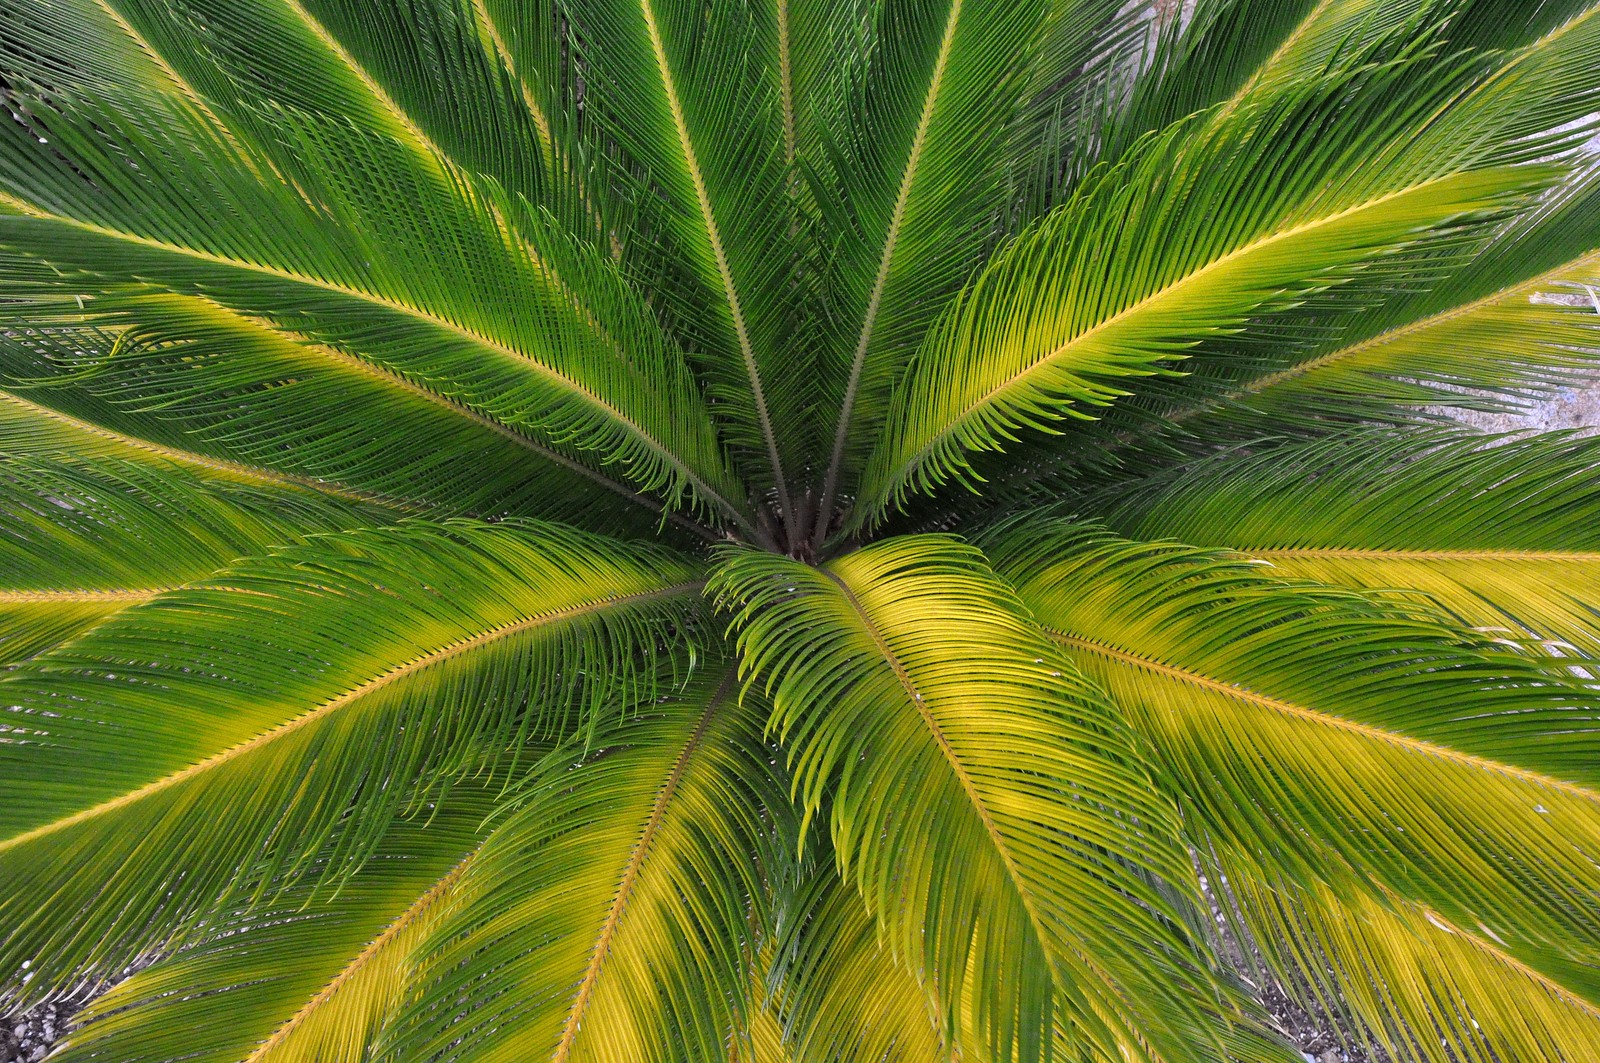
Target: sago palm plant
point(797, 530)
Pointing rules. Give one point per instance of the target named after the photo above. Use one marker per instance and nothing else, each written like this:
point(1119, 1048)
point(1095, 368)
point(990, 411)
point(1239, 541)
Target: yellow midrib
point(540, 120)
point(1444, 317)
point(963, 778)
point(1295, 36)
point(630, 873)
point(786, 85)
point(1381, 554)
point(714, 236)
point(75, 596)
point(881, 279)
point(249, 473)
point(399, 380)
point(361, 959)
point(1495, 952)
point(179, 82)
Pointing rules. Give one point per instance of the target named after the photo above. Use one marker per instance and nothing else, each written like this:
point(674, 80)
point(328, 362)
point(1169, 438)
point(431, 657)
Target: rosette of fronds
point(797, 530)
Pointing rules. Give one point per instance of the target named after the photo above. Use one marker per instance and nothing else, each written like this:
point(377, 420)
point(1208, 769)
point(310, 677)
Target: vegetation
point(796, 530)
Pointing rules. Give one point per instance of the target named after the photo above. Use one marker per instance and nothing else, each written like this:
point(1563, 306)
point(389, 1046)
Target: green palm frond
point(1501, 533)
point(712, 145)
point(306, 976)
point(393, 392)
point(534, 328)
point(85, 536)
point(1405, 977)
point(906, 678)
point(1092, 296)
point(614, 901)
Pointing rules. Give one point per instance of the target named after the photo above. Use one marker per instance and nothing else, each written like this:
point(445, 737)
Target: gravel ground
point(28, 1037)
point(1318, 1040)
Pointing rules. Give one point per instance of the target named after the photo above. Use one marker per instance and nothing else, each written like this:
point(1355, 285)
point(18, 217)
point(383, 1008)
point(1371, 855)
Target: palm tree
point(797, 530)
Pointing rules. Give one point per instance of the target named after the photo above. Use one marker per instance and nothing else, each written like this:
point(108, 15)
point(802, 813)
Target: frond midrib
point(1522, 287)
point(974, 798)
point(1494, 952)
point(394, 379)
point(714, 237)
point(1294, 37)
point(1402, 554)
point(1043, 361)
point(875, 300)
point(416, 910)
point(231, 469)
point(72, 595)
point(630, 872)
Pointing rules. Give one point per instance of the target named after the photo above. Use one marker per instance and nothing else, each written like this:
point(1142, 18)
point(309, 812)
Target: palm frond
point(1500, 532)
point(1502, 327)
point(918, 192)
point(1484, 322)
point(235, 726)
point(695, 104)
point(905, 678)
point(1332, 733)
point(1148, 260)
point(82, 538)
point(606, 917)
point(1397, 975)
point(469, 290)
point(839, 993)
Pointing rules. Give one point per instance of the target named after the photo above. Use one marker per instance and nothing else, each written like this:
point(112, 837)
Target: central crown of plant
point(796, 530)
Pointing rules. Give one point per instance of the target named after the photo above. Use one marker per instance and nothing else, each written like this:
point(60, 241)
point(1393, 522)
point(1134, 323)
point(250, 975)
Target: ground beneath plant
point(28, 1038)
